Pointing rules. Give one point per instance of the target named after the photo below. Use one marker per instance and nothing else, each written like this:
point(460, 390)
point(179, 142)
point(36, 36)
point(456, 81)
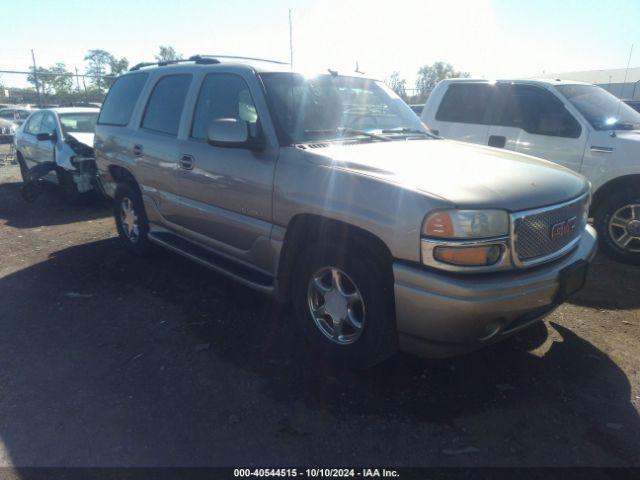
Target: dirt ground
point(107, 359)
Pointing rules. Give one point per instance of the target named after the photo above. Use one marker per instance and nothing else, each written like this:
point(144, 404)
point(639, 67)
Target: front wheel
point(343, 304)
point(617, 221)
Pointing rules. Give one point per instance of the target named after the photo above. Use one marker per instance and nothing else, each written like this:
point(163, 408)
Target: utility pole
point(77, 81)
point(35, 77)
point(290, 41)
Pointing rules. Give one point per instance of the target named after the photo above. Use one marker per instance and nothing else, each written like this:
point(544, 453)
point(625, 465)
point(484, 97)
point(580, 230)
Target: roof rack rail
point(234, 57)
point(195, 58)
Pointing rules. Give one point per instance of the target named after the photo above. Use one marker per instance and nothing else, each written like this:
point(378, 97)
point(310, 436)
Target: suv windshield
point(601, 109)
point(331, 107)
point(78, 122)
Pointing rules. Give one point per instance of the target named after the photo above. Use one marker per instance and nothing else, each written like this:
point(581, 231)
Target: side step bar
point(244, 274)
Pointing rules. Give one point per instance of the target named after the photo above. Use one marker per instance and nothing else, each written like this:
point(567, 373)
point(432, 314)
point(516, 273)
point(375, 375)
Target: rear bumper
point(440, 314)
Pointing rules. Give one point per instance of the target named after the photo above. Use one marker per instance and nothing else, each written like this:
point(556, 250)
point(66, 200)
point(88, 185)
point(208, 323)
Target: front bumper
point(440, 314)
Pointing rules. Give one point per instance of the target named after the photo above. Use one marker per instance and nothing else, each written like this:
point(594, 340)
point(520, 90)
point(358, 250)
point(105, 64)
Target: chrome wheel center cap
point(633, 227)
point(335, 305)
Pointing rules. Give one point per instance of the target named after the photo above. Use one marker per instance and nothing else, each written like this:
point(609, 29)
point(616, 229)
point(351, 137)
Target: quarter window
point(537, 111)
point(223, 96)
point(164, 108)
point(466, 103)
point(121, 99)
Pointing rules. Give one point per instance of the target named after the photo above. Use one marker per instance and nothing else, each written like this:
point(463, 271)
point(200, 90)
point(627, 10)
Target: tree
point(167, 54)
point(40, 78)
point(429, 75)
point(61, 80)
point(98, 61)
point(116, 67)
point(397, 84)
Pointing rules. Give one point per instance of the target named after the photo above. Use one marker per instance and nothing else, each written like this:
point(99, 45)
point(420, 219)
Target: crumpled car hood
point(467, 175)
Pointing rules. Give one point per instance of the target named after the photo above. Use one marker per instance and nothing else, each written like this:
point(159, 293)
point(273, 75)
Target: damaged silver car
point(56, 144)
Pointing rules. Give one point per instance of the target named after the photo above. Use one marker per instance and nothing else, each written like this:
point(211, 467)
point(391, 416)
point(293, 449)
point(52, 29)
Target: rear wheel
point(617, 220)
point(343, 304)
point(131, 220)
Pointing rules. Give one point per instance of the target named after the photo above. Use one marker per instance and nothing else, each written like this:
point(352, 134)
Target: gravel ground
point(111, 360)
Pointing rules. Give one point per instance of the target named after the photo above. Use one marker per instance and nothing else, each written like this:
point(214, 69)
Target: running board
point(244, 274)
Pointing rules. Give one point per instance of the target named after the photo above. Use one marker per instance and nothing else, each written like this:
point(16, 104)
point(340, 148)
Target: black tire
point(140, 244)
point(23, 167)
point(602, 217)
point(378, 338)
point(70, 189)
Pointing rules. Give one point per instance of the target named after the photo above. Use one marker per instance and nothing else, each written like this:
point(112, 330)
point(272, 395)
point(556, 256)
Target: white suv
point(578, 125)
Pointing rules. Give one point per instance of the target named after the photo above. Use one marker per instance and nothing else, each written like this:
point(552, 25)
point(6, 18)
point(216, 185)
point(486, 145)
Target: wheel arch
point(619, 183)
point(304, 229)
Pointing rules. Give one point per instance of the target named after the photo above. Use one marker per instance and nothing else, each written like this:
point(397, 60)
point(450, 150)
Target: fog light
point(469, 256)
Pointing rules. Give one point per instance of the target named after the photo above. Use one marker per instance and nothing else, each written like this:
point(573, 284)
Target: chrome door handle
point(186, 162)
point(595, 148)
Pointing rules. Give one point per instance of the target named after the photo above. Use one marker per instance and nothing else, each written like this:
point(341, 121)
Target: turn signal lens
point(469, 256)
point(439, 225)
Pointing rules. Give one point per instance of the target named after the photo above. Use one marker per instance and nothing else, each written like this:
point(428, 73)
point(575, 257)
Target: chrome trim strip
point(557, 254)
point(598, 149)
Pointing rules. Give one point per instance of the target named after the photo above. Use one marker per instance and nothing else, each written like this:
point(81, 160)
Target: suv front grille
point(533, 237)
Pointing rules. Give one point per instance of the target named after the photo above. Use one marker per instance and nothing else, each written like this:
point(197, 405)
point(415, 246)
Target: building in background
point(611, 80)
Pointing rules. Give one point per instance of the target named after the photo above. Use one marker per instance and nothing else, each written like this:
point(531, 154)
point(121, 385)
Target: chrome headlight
point(466, 224)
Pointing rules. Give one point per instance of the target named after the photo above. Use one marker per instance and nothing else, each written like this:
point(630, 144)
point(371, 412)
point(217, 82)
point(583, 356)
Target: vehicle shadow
point(48, 209)
point(610, 285)
point(111, 359)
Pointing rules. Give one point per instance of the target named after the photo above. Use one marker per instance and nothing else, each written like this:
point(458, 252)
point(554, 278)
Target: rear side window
point(222, 96)
point(165, 104)
point(121, 100)
point(537, 111)
point(465, 103)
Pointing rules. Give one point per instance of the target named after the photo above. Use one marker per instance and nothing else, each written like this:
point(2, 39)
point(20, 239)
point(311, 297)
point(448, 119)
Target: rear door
point(154, 145)
point(530, 119)
point(43, 150)
point(464, 112)
point(28, 142)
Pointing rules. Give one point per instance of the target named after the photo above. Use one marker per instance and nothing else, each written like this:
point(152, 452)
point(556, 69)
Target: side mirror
point(232, 133)
point(43, 137)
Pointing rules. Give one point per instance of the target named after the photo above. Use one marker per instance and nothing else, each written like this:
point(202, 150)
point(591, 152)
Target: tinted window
point(223, 96)
point(7, 114)
point(33, 127)
point(465, 103)
point(165, 104)
point(537, 111)
point(121, 99)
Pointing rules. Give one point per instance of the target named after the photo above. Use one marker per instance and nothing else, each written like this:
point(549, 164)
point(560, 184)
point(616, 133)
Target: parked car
point(577, 125)
point(15, 114)
point(417, 109)
point(63, 136)
point(635, 104)
point(7, 130)
point(328, 192)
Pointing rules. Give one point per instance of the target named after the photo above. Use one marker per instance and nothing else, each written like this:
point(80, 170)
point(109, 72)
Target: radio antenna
point(624, 82)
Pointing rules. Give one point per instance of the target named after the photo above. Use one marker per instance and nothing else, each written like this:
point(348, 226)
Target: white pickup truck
point(578, 125)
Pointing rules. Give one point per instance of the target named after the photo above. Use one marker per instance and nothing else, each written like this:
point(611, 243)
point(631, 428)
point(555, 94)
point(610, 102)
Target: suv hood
point(467, 175)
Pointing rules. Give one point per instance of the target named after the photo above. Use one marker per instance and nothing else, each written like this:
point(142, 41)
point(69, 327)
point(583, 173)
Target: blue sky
point(488, 38)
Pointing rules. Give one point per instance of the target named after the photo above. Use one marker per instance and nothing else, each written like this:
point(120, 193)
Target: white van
point(578, 125)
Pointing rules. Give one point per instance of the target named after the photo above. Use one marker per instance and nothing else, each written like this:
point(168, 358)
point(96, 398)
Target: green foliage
point(430, 75)
point(397, 84)
point(104, 67)
point(167, 54)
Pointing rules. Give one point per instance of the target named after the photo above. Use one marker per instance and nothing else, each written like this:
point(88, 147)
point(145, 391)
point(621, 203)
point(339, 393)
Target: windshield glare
point(78, 122)
point(601, 109)
point(328, 107)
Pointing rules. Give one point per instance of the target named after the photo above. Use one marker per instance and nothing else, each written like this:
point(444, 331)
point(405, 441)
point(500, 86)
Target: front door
point(226, 193)
point(531, 120)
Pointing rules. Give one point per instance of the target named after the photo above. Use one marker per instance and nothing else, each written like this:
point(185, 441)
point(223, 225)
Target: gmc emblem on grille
point(563, 228)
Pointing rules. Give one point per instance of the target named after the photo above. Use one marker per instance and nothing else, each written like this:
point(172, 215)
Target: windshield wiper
point(349, 131)
point(408, 130)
